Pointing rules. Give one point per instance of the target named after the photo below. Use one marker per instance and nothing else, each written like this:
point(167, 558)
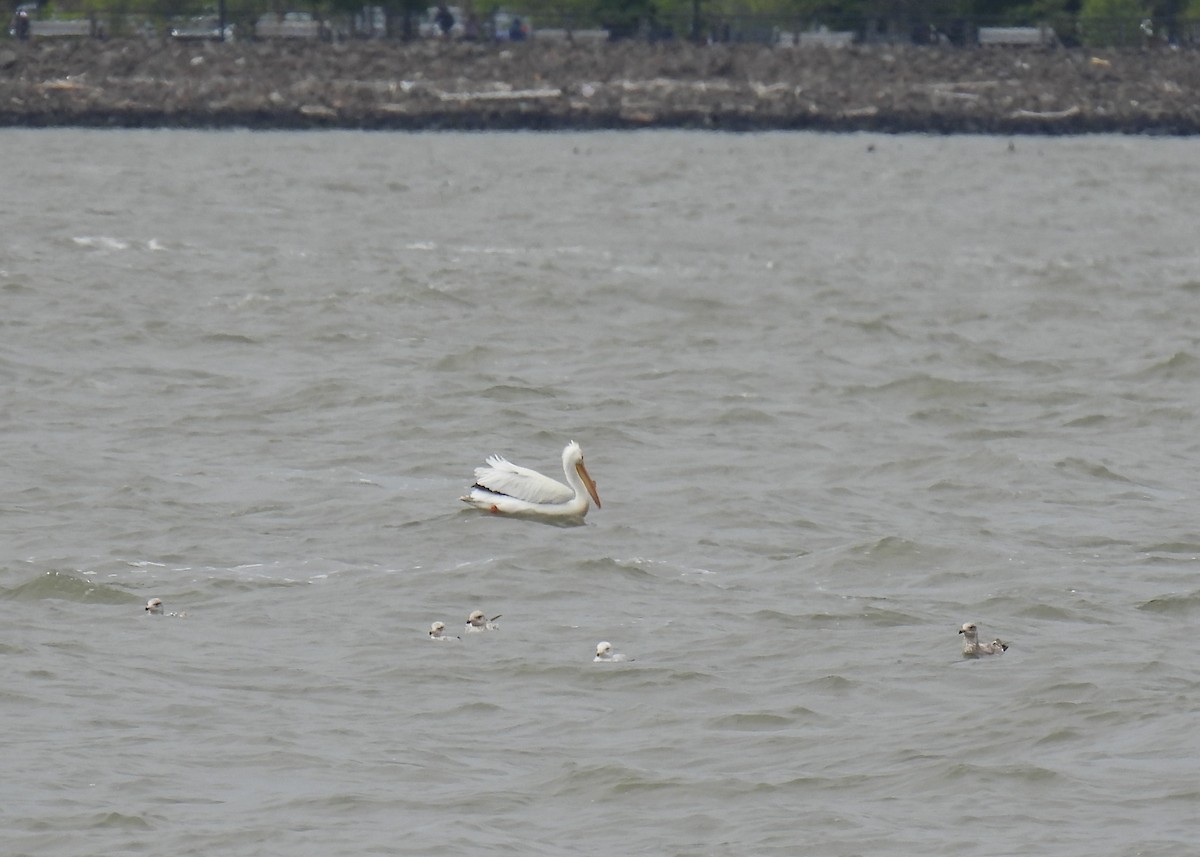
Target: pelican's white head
point(154, 605)
point(573, 461)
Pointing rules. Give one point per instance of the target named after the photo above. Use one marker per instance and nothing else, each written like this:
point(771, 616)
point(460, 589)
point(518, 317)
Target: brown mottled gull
point(972, 648)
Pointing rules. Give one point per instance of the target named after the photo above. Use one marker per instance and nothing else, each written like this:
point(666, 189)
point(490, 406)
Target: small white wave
point(100, 242)
point(490, 251)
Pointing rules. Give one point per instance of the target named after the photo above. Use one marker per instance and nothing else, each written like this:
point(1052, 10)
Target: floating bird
point(477, 621)
point(155, 608)
point(605, 654)
point(972, 648)
point(437, 631)
point(509, 489)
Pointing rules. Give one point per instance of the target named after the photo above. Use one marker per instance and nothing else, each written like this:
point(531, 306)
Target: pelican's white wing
point(504, 477)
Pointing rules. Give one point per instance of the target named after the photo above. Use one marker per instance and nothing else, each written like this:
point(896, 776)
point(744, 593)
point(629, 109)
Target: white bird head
point(436, 629)
point(969, 631)
point(154, 605)
point(573, 459)
point(478, 621)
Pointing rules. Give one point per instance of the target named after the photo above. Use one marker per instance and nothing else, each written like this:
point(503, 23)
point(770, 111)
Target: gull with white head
point(478, 621)
point(437, 631)
point(606, 655)
point(972, 648)
point(155, 608)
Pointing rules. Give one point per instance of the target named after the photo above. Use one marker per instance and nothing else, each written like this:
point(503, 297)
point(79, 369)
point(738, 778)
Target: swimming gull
point(477, 621)
point(972, 648)
point(605, 654)
point(155, 608)
point(437, 631)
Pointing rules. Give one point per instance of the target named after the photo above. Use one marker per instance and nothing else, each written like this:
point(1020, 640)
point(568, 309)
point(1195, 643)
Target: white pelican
point(477, 621)
point(509, 489)
point(605, 654)
point(437, 631)
point(972, 648)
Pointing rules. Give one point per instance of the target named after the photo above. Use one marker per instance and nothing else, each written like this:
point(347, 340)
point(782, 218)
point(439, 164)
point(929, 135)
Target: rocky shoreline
point(559, 85)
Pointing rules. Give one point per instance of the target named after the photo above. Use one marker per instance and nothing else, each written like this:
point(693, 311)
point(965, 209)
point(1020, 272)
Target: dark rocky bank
point(562, 86)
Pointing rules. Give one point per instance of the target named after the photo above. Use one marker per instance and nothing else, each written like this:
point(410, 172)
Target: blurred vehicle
point(289, 25)
point(27, 23)
point(371, 23)
point(201, 29)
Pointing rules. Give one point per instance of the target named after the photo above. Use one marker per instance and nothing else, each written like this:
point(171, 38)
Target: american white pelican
point(437, 631)
point(972, 648)
point(605, 654)
point(509, 489)
point(477, 621)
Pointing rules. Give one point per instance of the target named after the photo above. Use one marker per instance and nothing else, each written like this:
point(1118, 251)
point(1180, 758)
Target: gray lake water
point(841, 394)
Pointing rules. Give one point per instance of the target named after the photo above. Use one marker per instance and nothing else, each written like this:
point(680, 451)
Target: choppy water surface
point(841, 394)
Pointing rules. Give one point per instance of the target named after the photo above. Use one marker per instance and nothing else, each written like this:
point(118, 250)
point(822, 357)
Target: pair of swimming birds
point(478, 621)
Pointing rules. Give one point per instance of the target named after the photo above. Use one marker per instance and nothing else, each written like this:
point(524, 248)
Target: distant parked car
point(371, 22)
point(201, 29)
point(26, 23)
point(290, 25)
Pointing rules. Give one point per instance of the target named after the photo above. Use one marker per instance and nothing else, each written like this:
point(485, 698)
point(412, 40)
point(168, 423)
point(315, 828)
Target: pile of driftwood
point(560, 84)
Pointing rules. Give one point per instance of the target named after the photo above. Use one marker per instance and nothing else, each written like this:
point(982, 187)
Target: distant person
point(471, 28)
point(516, 31)
point(21, 25)
point(1147, 28)
point(444, 20)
